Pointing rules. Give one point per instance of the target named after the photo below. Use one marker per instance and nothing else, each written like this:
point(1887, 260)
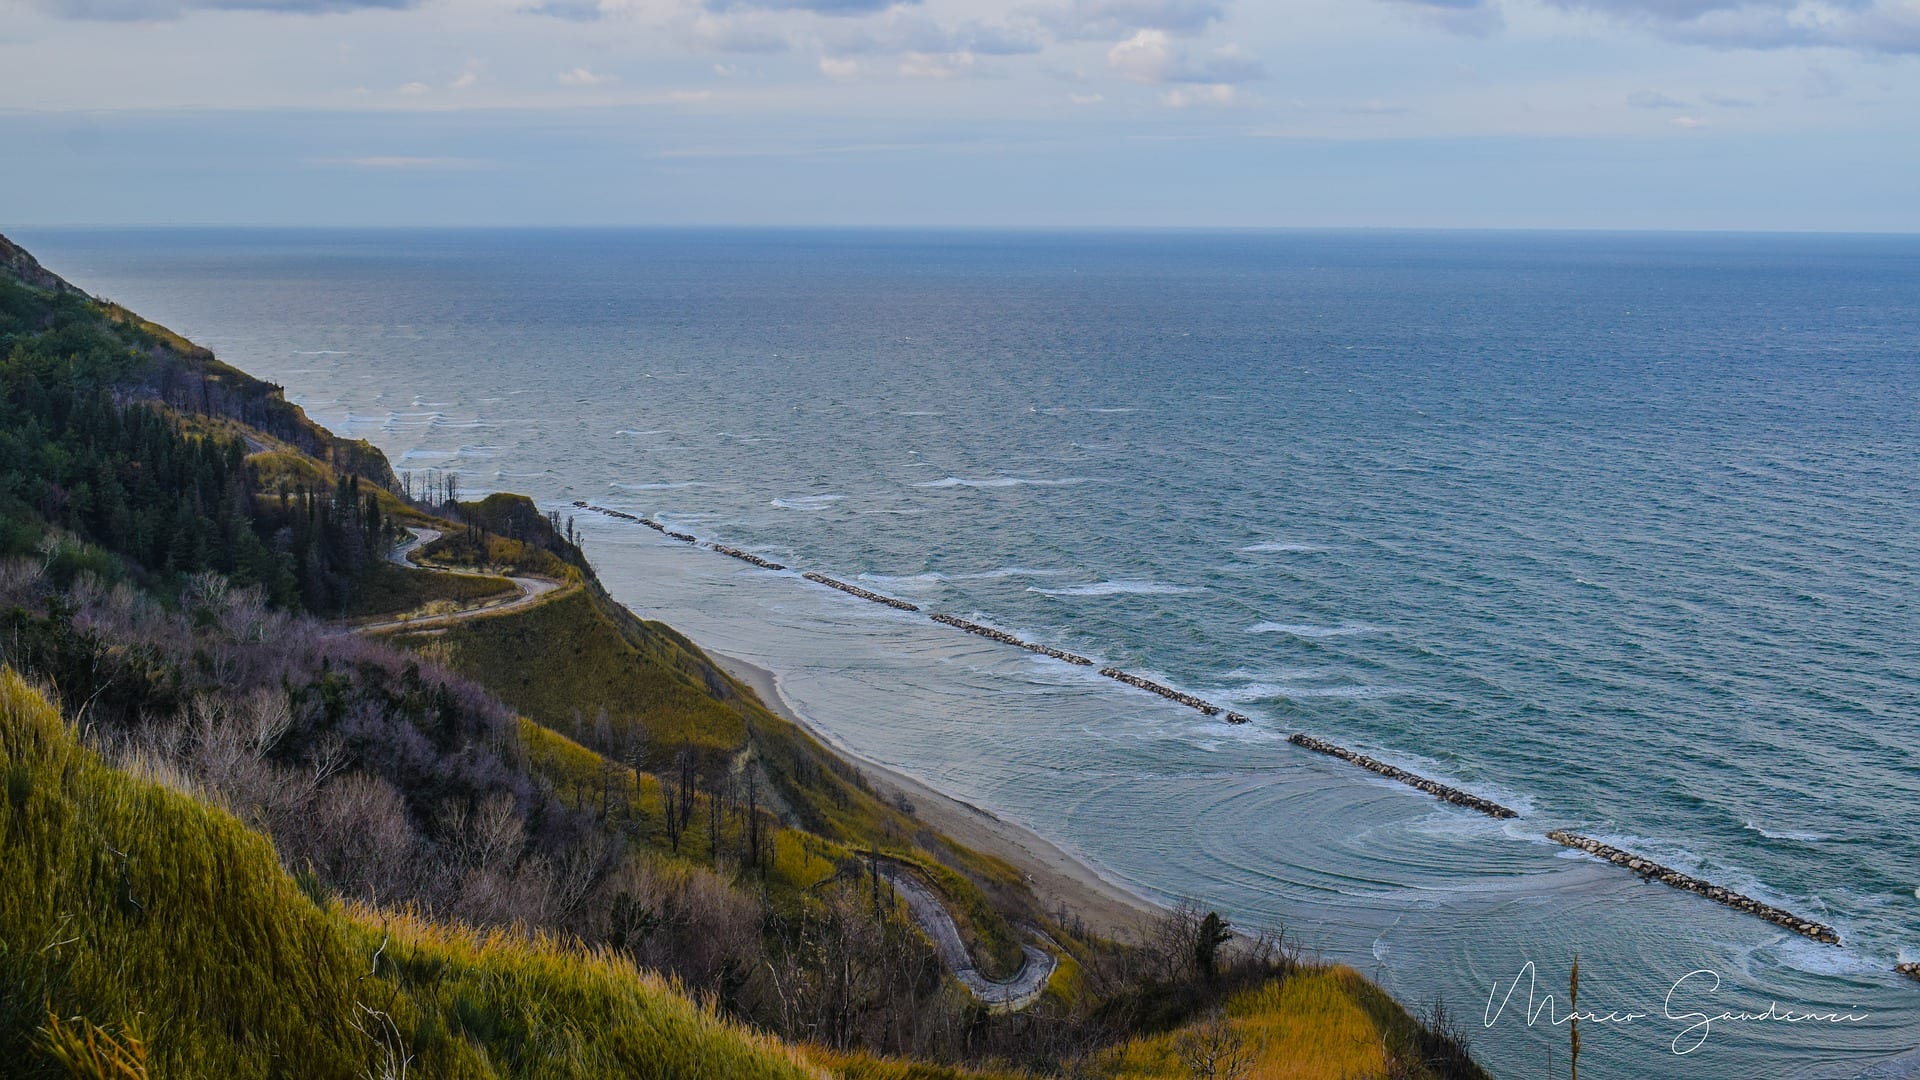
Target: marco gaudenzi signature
point(1688, 1001)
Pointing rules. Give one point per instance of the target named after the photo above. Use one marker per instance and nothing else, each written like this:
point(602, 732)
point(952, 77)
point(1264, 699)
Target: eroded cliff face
point(15, 260)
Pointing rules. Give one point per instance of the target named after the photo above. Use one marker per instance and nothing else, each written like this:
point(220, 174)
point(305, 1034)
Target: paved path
point(1011, 996)
point(532, 589)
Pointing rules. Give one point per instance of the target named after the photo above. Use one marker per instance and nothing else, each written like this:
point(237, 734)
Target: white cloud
point(581, 76)
point(1687, 123)
point(1473, 18)
point(939, 66)
point(839, 69)
point(1186, 97)
point(1105, 20)
point(414, 89)
point(1086, 99)
point(1884, 26)
point(1150, 56)
point(690, 97)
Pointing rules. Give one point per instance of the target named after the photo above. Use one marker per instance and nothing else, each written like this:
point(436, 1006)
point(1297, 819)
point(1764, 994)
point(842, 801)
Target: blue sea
point(1620, 530)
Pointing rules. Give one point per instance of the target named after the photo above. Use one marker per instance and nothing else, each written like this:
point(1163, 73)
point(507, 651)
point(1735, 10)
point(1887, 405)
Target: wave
point(1000, 482)
point(320, 352)
point(1278, 547)
point(1802, 837)
point(1115, 588)
point(928, 578)
point(1307, 630)
point(636, 434)
point(656, 486)
point(922, 412)
point(807, 502)
point(1006, 572)
point(1260, 691)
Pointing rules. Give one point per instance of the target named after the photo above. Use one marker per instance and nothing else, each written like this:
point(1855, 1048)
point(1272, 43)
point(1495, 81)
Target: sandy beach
point(1056, 877)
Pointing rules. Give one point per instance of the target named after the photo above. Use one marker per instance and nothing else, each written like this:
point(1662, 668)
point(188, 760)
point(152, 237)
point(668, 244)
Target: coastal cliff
point(302, 765)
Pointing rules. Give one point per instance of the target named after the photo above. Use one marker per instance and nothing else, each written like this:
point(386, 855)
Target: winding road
point(1011, 996)
point(1037, 965)
point(532, 589)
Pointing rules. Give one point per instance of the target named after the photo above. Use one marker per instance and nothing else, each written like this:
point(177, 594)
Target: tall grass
point(144, 933)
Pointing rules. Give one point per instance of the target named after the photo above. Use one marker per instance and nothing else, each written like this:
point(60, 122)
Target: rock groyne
point(856, 590)
point(621, 514)
point(1432, 787)
point(1238, 718)
point(1910, 970)
point(680, 536)
point(1651, 870)
point(746, 557)
point(1008, 639)
point(1163, 690)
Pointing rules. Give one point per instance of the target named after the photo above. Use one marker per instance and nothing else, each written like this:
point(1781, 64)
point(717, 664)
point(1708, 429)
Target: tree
point(1212, 1050)
point(1213, 933)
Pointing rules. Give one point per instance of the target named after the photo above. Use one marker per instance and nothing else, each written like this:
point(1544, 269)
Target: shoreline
point(1056, 876)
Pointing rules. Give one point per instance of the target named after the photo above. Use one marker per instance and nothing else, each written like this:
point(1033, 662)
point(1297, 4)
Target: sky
point(1630, 114)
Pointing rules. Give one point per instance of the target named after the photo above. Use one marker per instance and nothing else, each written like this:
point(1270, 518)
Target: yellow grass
point(1307, 1027)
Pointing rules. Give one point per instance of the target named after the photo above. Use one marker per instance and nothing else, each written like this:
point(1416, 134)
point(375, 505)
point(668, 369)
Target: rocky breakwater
point(855, 590)
point(1238, 718)
point(1653, 871)
point(1008, 639)
point(745, 556)
point(621, 514)
point(1432, 787)
point(1163, 690)
point(1910, 970)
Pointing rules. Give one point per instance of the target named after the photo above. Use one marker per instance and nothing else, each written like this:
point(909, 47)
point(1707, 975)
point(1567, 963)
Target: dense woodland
point(169, 571)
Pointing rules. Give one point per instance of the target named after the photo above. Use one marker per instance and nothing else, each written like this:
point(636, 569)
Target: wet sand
point(1055, 876)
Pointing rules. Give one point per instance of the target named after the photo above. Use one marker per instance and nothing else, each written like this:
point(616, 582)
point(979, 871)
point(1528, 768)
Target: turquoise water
point(1617, 530)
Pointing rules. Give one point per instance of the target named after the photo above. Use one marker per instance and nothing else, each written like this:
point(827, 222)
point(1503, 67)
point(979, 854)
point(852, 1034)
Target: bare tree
point(1212, 1050)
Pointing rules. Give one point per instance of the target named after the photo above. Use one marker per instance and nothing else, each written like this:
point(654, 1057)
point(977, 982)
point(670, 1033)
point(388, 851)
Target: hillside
point(397, 763)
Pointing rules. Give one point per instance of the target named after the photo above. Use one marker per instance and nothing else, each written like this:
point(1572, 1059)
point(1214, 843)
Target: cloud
point(1186, 97)
point(733, 33)
point(570, 10)
point(1105, 20)
point(1150, 56)
point(818, 7)
point(157, 10)
point(689, 97)
point(1876, 26)
point(911, 32)
point(581, 76)
point(1472, 18)
point(839, 69)
point(939, 65)
point(414, 89)
point(1086, 99)
point(1687, 123)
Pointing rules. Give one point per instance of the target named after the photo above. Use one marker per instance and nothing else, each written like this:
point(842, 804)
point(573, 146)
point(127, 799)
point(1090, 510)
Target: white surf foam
point(1281, 547)
point(807, 502)
point(1000, 482)
point(1115, 588)
point(1308, 630)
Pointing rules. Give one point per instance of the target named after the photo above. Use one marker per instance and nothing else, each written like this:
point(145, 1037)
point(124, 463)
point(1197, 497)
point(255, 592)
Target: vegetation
point(552, 841)
point(110, 965)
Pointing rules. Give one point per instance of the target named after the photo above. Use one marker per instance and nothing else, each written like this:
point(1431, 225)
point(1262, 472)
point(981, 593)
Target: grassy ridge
point(565, 665)
point(134, 910)
point(638, 692)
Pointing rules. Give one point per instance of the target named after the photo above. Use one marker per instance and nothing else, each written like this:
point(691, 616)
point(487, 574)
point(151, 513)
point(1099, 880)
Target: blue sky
point(1718, 114)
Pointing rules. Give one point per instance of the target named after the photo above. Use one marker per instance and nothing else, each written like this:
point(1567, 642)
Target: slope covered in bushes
point(168, 928)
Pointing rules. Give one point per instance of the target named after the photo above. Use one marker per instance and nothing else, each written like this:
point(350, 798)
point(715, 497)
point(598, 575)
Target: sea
point(1619, 530)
